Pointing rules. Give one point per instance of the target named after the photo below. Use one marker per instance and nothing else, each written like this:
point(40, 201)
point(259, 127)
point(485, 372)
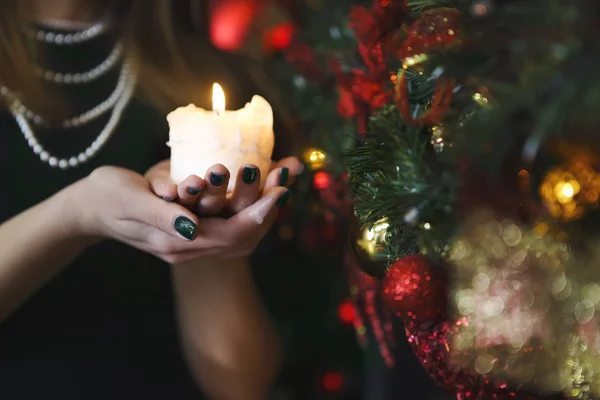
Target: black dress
point(104, 328)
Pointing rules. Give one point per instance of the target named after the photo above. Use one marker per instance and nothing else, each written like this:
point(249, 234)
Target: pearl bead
point(71, 38)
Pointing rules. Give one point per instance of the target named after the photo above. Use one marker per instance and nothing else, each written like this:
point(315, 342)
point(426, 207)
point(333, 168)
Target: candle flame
point(218, 98)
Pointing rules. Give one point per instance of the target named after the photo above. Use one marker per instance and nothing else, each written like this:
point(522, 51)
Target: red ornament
point(415, 291)
point(432, 343)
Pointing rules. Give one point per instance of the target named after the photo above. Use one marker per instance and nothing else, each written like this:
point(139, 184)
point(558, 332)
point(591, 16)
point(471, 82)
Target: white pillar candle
point(200, 138)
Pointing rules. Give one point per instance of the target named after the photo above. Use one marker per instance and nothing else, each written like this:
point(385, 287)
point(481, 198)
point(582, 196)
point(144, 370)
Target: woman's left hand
point(207, 196)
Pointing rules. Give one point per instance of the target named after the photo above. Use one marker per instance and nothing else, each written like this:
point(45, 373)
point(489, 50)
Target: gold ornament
point(373, 239)
point(568, 191)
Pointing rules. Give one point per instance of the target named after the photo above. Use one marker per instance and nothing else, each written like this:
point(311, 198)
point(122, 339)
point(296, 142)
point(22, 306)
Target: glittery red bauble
point(414, 290)
point(433, 345)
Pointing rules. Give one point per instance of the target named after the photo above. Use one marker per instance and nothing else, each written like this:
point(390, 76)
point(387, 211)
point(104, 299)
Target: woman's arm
point(34, 245)
point(232, 349)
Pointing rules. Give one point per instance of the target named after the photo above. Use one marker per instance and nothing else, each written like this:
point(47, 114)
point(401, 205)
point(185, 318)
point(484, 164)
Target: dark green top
point(104, 328)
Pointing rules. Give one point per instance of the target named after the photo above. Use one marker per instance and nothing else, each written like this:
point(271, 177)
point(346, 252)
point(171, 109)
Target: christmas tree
point(468, 130)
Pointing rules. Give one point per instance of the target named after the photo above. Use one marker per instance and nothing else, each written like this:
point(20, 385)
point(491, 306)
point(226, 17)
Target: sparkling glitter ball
point(413, 290)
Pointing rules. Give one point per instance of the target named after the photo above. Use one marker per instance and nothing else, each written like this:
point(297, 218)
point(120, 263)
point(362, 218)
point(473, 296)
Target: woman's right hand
point(117, 203)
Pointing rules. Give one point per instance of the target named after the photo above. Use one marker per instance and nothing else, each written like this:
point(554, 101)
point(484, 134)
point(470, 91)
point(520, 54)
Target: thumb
point(170, 218)
point(262, 212)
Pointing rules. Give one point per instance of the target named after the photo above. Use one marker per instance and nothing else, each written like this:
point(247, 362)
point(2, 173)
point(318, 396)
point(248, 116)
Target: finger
point(213, 199)
point(278, 177)
point(246, 190)
point(292, 163)
point(160, 181)
point(190, 190)
point(171, 218)
point(263, 213)
point(284, 173)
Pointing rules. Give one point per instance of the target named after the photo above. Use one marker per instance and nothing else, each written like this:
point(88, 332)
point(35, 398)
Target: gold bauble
point(373, 238)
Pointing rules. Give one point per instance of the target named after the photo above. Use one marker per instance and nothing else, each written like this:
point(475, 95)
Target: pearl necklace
point(86, 116)
point(127, 80)
point(80, 36)
point(87, 76)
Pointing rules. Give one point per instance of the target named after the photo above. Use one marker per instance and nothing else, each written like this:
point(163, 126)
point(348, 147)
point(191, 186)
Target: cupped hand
point(207, 196)
point(117, 203)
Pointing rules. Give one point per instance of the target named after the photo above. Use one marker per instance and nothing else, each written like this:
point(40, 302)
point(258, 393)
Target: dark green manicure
point(186, 227)
point(194, 191)
point(249, 175)
point(284, 176)
point(284, 198)
point(216, 179)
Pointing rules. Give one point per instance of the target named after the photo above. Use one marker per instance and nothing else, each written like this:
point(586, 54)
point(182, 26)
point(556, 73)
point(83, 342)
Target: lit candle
point(200, 138)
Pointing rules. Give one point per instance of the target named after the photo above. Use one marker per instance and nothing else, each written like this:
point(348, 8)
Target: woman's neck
point(65, 10)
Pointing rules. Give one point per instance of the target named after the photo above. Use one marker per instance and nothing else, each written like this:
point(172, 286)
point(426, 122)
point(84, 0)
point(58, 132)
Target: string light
point(414, 60)
point(315, 158)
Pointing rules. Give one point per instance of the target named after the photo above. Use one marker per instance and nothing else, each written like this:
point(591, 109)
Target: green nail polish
point(284, 176)
point(249, 175)
point(185, 226)
point(194, 191)
point(216, 179)
point(284, 198)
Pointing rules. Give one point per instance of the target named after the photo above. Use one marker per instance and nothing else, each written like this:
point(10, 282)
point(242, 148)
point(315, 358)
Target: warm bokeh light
point(332, 381)
point(315, 157)
point(347, 312)
point(321, 180)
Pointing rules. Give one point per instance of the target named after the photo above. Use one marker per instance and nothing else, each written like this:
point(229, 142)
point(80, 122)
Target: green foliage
point(396, 175)
point(535, 64)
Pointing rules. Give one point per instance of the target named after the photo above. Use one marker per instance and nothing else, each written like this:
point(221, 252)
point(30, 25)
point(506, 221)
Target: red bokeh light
point(332, 381)
point(321, 180)
point(230, 22)
point(280, 37)
point(347, 312)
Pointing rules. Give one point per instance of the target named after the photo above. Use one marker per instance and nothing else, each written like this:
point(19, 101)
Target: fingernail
point(216, 179)
point(284, 198)
point(249, 175)
point(194, 191)
point(284, 176)
point(169, 199)
point(185, 226)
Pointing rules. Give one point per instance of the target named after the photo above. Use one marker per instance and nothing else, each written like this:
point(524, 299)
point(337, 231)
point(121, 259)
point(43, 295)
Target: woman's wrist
point(72, 221)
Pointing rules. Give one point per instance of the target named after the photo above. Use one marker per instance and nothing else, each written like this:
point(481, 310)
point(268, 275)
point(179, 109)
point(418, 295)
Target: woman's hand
point(207, 196)
point(118, 204)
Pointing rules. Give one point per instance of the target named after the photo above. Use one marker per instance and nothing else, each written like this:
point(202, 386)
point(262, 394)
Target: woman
point(86, 299)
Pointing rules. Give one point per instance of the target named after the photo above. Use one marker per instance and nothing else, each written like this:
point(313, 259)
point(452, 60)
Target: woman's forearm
point(231, 346)
point(34, 245)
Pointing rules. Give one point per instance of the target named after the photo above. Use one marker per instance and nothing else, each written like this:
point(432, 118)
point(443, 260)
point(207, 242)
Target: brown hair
point(159, 32)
